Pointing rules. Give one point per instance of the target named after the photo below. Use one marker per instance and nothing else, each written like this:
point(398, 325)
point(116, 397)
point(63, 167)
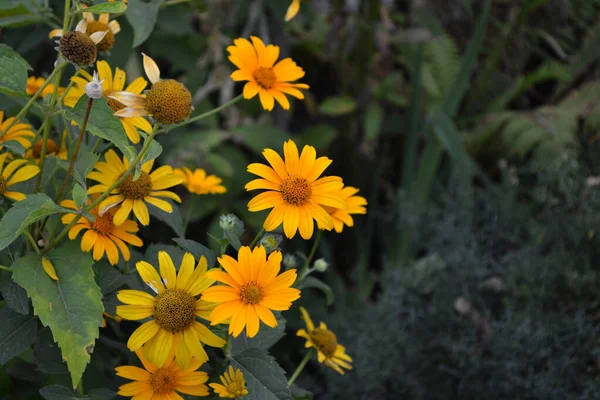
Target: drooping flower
point(256, 63)
point(34, 84)
point(233, 384)
point(15, 171)
point(356, 205)
point(51, 148)
point(102, 235)
point(168, 101)
point(292, 10)
point(111, 84)
point(173, 311)
point(20, 132)
point(295, 192)
point(78, 46)
point(251, 290)
point(102, 25)
point(197, 182)
point(325, 342)
point(130, 194)
point(162, 383)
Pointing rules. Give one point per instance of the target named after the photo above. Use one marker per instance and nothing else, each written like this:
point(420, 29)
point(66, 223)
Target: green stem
point(2, 267)
point(188, 213)
point(32, 242)
point(97, 144)
point(104, 195)
point(33, 98)
point(45, 136)
point(300, 368)
point(262, 232)
point(67, 16)
point(310, 256)
point(208, 113)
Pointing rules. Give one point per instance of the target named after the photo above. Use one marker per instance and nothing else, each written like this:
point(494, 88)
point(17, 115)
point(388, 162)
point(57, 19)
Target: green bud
point(290, 261)
point(321, 265)
point(271, 241)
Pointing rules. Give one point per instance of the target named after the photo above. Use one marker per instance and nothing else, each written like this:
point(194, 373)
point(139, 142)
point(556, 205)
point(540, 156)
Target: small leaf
point(373, 119)
point(174, 219)
point(79, 196)
point(17, 333)
point(71, 306)
point(106, 8)
point(142, 17)
point(102, 123)
point(265, 379)
point(24, 213)
point(86, 160)
point(338, 105)
point(15, 147)
point(311, 282)
point(264, 340)
point(13, 76)
point(15, 296)
point(198, 250)
point(57, 392)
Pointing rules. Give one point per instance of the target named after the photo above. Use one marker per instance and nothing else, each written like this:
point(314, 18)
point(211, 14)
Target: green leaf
point(142, 17)
point(102, 123)
point(153, 152)
point(106, 8)
point(15, 296)
point(265, 379)
point(258, 137)
point(47, 356)
point(17, 333)
point(24, 213)
point(175, 252)
point(13, 76)
point(198, 250)
point(373, 119)
point(300, 394)
point(86, 160)
point(71, 307)
point(174, 219)
point(15, 147)
point(319, 136)
point(311, 282)
point(109, 278)
point(337, 105)
point(100, 394)
point(8, 51)
point(264, 340)
point(57, 392)
point(79, 196)
point(446, 132)
point(20, 15)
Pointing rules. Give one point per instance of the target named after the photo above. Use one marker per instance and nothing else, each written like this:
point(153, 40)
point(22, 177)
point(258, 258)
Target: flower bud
point(321, 265)
point(94, 88)
point(271, 241)
point(290, 261)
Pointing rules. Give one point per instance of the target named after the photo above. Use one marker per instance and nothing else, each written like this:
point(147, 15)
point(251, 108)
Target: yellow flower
point(20, 132)
point(16, 171)
point(34, 84)
point(295, 192)
point(292, 10)
point(102, 25)
point(233, 384)
point(325, 342)
point(51, 148)
point(49, 268)
point(79, 47)
point(252, 289)
point(198, 182)
point(103, 235)
point(133, 195)
point(168, 101)
point(110, 85)
point(271, 82)
point(173, 312)
point(162, 383)
point(356, 205)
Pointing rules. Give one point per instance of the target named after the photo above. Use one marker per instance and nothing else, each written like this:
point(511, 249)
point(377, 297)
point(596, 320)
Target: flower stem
point(32, 241)
point(262, 232)
point(2, 267)
point(300, 368)
point(208, 113)
point(33, 98)
point(104, 195)
point(304, 270)
point(76, 151)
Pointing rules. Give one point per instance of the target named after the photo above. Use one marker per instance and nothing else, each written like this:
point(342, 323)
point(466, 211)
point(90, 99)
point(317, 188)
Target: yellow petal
point(142, 334)
point(49, 268)
point(152, 71)
point(292, 10)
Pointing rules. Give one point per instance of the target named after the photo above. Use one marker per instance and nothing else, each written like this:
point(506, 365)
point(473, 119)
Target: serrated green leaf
point(79, 196)
point(265, 379)
point(373, 119)
point(142, 17)
point(174, 219)
point(71, 306)
point(198, 250)
point(57, 392)
point(13, 76)
point(24, 213)
point(8, 51)
point(337, 105)
point(102, 123)
point(15, 296)
point(312, 282)
point(106, 8)
point(15, 147)
point(17, 333)
point(264, 340)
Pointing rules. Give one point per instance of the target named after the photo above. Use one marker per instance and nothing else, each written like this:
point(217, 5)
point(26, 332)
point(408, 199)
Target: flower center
point(325, 341)
point(162, 380)
point(78, 48)
point(251, 293)
point(109, 39)
point(104, 224)
point(236, 388)
point(296, 190)
point(265, 77)
point(2, 185)
point(169, 102)
point(136, 190)
point(174, 310)
point(51, 148)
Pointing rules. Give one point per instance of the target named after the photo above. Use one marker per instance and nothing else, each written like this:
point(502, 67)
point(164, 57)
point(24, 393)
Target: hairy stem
point(262, 232)
point(300, 368)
